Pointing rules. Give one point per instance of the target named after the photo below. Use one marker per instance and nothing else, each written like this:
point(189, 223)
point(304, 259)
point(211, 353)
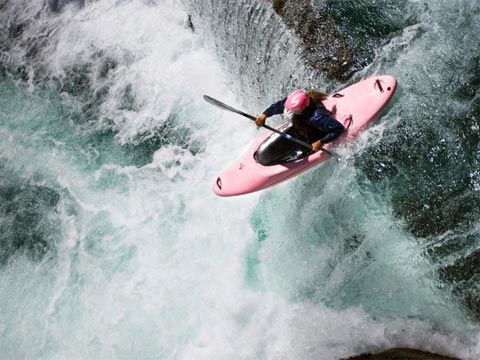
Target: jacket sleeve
point(275, 108)
point(324, 122)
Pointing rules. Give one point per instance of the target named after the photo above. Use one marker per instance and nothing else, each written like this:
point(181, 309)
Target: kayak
point(273, 158)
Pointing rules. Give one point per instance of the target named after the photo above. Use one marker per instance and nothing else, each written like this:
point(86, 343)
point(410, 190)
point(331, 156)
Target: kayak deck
point(276, 149)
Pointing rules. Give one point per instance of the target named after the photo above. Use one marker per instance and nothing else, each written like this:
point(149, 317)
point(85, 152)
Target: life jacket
point(302, 129)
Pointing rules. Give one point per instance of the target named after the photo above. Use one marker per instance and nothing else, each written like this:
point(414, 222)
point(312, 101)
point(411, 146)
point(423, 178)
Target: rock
point(402, 354)
point(189, 23)
point(325, 48)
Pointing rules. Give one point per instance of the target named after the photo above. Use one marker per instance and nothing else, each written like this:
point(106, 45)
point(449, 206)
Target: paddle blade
point(223, 106)
point(213, 101)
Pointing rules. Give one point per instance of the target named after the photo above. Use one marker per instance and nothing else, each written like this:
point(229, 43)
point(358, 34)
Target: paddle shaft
point(223, 106)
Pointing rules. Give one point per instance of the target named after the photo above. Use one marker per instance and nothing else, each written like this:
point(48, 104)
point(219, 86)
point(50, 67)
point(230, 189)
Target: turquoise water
point(113, 245)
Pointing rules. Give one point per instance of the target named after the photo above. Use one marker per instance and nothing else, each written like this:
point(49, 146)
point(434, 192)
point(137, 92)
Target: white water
point(149, 264)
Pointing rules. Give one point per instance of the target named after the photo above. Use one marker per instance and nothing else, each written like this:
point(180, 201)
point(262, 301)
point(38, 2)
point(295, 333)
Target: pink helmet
point(296, 102)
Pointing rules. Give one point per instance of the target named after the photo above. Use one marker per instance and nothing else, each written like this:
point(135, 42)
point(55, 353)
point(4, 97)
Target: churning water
point(112, 244)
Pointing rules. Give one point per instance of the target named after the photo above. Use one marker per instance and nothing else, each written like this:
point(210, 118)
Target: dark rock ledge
point(402, 354)
point(324, 47)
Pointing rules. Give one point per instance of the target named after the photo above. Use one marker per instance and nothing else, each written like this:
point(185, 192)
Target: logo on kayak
point(242, 166)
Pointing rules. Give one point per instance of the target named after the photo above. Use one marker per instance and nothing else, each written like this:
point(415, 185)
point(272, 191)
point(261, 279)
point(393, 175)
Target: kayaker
point(312, 122)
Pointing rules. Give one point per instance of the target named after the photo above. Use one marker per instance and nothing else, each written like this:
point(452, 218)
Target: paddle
point(223, 106)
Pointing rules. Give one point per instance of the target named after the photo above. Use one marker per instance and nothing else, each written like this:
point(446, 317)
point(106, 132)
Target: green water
point(112, 244)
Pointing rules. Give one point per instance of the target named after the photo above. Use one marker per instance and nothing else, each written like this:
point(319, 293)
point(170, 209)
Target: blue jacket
point(322, 126)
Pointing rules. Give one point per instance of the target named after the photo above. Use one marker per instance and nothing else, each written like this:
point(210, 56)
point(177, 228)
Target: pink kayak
point(273, 159)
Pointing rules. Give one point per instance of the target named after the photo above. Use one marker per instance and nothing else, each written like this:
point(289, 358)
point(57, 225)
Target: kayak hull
point(364, 100)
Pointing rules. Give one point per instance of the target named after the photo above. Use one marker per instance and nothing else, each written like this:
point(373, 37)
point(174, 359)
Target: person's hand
point(316, 145)
point(260, 121)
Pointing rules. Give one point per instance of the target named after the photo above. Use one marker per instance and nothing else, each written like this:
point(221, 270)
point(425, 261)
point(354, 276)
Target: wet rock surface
point(402, 354)
point(325, 48)
point(340, 37)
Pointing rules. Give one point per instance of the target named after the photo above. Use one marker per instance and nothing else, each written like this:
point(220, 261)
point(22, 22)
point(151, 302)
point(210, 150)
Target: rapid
point(113, 246)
